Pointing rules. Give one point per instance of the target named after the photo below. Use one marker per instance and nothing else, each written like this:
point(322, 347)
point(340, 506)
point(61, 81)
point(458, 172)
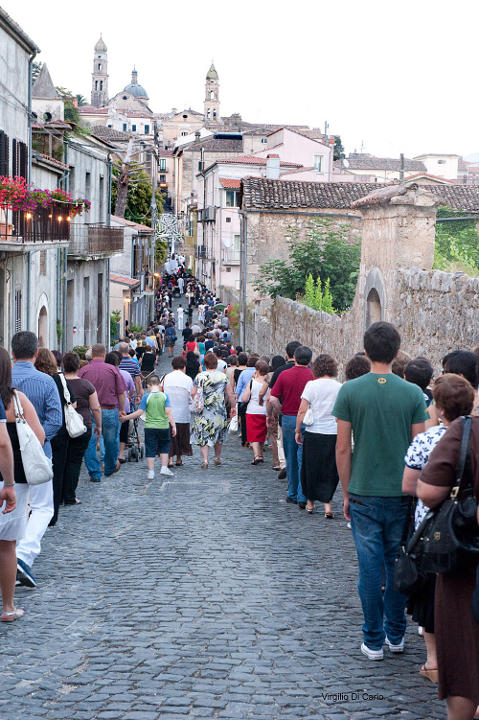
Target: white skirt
point(13, 524)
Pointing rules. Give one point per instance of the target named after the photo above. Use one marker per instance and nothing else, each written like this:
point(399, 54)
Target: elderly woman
point(456, 631)
point(210, 425)
point(319, 476)
point(178, 386)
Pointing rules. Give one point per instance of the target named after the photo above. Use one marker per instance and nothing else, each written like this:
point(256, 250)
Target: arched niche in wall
point(374, 298)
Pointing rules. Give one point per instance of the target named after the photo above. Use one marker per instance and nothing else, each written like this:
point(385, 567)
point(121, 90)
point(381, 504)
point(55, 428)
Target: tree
point(339, 153)
point(324, 253)
point(138, 197)
point(81, 100)
point(309, 292)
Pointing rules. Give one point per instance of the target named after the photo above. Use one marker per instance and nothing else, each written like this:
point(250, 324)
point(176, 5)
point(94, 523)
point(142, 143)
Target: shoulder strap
point(463, 453)
point(66, 393)
point(17, 406)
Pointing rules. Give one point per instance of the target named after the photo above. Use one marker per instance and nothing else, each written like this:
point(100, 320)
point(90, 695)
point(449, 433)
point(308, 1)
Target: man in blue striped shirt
point(42, 392)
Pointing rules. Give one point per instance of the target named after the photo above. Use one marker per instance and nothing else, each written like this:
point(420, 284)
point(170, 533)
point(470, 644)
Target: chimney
point(272, 167)
point(197, 134)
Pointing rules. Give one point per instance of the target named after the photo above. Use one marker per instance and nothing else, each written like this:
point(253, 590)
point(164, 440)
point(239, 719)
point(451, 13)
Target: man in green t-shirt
point(382, 413)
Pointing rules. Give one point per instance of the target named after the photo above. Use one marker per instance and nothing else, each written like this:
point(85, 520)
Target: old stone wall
point(435, 312)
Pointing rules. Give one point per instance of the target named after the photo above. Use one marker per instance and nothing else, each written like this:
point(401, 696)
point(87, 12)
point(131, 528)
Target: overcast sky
point(389, 77)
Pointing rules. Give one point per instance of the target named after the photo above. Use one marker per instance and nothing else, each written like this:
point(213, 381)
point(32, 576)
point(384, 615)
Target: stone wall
point(435, 312)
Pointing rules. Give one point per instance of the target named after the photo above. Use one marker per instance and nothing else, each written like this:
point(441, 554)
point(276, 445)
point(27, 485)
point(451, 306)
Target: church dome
point(100, 46)
point(134, 88)
point(212, 74)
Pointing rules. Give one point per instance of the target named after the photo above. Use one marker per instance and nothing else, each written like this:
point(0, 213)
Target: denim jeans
point(111, 438)
point(377, 524)
point(294, 455)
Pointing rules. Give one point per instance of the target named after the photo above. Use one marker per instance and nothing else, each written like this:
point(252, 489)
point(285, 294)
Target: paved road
point(202, 597)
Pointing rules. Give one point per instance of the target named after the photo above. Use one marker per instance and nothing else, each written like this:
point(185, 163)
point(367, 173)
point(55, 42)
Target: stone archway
point(373, 308)
point(43, 327)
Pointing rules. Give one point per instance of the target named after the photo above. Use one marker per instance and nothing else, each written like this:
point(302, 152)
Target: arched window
point(99, 66)
point(373, 309)
point(96, 84)
point(43, 327)
point(101, 84)
point(212, 95)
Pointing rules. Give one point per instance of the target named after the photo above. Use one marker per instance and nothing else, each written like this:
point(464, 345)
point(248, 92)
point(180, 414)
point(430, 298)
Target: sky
point(388, 77)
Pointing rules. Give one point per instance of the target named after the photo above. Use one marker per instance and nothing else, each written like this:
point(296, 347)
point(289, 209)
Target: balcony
point(40, 226)
point(95, 241)
point(231, 257)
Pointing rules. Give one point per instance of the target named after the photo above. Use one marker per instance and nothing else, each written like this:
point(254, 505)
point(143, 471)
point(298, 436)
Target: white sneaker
point(372, 654)
point(166, 471)
point(151, 474)
point(395, 648)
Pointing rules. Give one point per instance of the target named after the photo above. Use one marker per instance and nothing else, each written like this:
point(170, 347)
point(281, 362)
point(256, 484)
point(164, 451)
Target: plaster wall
point(14, 75)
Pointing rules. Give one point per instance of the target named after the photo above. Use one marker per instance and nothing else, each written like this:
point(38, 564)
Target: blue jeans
point(294, 457)
point(377, 524)
point(111, 439)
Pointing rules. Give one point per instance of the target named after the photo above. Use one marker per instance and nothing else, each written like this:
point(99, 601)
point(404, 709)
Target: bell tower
point(212, 96)
point(99, 76)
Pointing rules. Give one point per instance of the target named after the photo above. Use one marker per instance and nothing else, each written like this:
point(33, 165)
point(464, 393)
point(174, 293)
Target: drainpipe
point(107, 279)
point(243, 273)
point(29, 167)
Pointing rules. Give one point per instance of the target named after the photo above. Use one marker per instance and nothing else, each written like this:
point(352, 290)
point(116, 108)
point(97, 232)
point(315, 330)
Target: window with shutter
point(14, 158)
point(4, 147)
point(23, 160)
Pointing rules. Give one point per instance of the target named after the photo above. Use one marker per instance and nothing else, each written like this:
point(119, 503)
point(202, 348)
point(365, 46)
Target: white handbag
point(233, 425)
point(73, 420)
point(37, 466)
point(308, 417)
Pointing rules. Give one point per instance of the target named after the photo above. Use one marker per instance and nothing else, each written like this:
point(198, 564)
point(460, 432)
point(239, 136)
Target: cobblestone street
point(203, 596)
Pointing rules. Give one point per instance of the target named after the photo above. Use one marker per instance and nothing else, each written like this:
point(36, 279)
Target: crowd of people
point(389, 435)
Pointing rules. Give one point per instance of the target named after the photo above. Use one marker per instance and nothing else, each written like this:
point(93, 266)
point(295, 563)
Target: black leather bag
point(448, 536)
point(475, 598)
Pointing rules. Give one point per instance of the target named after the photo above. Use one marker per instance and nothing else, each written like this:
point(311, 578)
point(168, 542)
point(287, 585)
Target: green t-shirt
point(154, 403)
point(381, 410)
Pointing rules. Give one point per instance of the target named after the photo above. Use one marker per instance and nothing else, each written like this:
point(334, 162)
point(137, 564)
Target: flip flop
point(13, 615)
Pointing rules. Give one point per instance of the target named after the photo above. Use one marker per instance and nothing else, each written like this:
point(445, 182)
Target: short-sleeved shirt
point(289, 387)
point(83, 389)
point(131, 366)
point(106, 379)
point(154, 404)
point(381, 409)
point(321, 395)
point(3, 416)
point(278, 372)
point(417, 457)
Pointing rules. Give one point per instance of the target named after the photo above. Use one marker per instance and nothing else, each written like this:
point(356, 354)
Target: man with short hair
point(131, 366)
point(42, 392)
point(384, 413)
point(187, 333)
point(287, 390)
point(111, 391)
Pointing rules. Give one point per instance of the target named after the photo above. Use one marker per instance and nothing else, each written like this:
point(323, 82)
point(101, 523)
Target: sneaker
point(151, 474)
point(372, 654)
point(24, 574)
point(166, 471)
point(348, 525)
point(395, 648)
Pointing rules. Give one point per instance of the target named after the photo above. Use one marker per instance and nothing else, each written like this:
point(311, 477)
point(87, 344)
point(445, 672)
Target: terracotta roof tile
point(365, 161)
point(230, 184)
point(124, 280)
point(255, 160)
point(263, 193)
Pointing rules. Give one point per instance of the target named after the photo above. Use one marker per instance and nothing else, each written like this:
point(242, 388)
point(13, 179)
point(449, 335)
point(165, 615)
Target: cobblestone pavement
point(205, 596)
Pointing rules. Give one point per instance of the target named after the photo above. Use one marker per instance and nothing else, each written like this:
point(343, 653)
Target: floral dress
point(417, 457)
point(210, 426)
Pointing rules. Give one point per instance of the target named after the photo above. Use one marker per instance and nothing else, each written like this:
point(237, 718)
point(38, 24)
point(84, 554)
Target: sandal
point(257, 461)
point(277, 469)
point(178, 464)
point(431, 674)
point(217, 461)
point(204, 466)
point(13, 615)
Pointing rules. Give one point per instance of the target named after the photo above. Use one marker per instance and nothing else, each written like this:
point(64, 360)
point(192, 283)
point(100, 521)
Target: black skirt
point(180, 444)
point(319, 476)
point(421, 604)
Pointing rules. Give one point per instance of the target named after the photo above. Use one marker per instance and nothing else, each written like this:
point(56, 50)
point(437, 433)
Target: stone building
point(382, 169)
point(99, 76)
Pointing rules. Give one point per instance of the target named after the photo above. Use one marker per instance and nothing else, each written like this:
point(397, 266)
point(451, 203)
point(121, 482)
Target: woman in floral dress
point(210, 424)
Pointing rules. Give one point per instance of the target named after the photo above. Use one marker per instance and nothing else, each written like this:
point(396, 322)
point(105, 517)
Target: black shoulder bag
point(448, 537)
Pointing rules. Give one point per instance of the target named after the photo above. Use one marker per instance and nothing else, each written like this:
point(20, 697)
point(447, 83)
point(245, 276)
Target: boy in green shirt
point(384, 413)
point(159, 418)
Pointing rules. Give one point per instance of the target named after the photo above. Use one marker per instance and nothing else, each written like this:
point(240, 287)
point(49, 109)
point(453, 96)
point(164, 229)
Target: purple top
point(130, 386)
point(106, 379)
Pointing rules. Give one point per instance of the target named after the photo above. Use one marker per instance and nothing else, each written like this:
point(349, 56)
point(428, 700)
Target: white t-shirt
point(254, 408)
point(221, 365)
point(178, 387)
point(321, 395)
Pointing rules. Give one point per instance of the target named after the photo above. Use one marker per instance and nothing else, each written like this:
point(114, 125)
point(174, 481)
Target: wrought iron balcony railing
point(95, 240)
point(50, 224)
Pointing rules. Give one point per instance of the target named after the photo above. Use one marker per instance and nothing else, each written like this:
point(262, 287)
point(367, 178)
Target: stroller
point(135, 448)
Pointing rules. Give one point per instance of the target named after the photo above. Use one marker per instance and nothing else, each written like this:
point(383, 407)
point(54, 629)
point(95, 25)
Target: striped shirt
point(42, 392)
point(131, 366)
